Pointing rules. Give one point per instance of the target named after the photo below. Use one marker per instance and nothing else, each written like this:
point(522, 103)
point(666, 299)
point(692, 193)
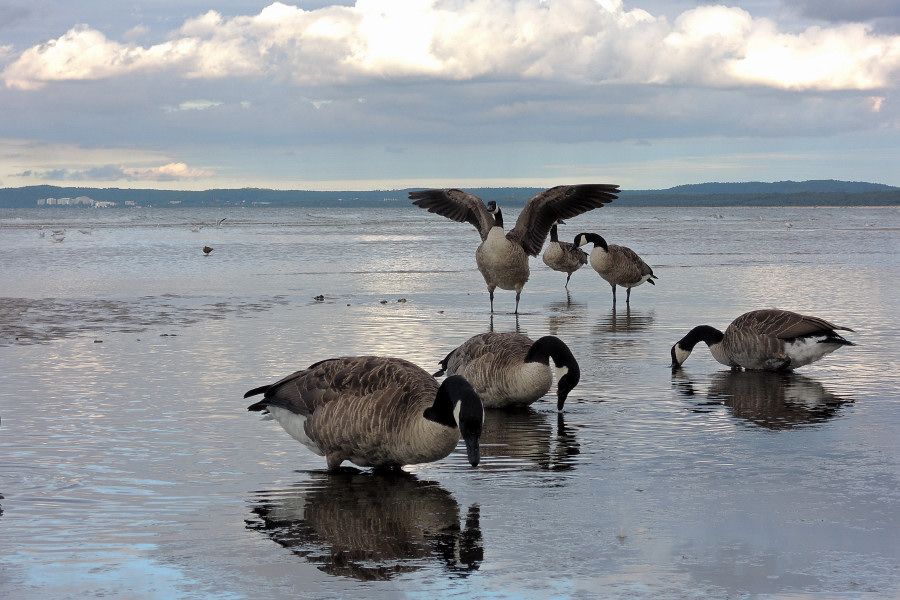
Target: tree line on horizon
point(788, 193)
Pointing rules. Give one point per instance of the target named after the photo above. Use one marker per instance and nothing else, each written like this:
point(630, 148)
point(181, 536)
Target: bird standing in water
point(502, 257)
point(770, 339)
point(563, 256)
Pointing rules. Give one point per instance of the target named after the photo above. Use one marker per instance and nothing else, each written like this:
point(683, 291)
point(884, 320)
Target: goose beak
point(473, 452)
point(470, 431)
point(567, 383)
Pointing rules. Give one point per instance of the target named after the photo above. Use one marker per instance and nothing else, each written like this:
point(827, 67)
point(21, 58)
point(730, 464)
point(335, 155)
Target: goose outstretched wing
point(560, 202)
point(457, 205)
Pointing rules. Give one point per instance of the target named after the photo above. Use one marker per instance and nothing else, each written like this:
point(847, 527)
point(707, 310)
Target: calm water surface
point(129, 466)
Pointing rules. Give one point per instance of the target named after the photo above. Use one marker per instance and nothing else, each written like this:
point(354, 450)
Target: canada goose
point(770, 339)
point(503, 258)
point(374, 411)
point(510, 369)
point(563, 256)
point(618, 265)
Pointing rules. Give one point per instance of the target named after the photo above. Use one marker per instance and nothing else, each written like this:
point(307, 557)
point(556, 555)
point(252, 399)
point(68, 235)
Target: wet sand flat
point(130, 467)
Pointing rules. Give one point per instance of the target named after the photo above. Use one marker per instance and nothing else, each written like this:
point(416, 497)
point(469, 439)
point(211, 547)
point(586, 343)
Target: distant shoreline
point(811, 193)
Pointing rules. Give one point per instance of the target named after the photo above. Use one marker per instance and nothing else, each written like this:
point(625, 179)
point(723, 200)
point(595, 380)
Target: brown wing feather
point(457, 205)
point(341, 380)
point(503, 348)
point(578, 255)
point(784, 324)
point(560, 202)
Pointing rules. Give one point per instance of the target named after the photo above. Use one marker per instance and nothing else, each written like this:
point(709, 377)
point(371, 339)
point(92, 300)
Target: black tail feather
point(262, 405)
point(260, 390)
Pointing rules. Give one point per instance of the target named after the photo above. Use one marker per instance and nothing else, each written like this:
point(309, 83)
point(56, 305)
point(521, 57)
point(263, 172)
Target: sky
point(393, 94)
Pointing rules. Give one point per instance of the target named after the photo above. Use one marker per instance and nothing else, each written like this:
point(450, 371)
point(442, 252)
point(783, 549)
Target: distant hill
point(828, 186)
point(819, 192)
point(781, 193)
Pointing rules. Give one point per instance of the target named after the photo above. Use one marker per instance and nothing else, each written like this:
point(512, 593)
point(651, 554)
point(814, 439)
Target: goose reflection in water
point(774, 400)
point(528, 435)
point(370, 526)
point(625, 321)
point(565, 314)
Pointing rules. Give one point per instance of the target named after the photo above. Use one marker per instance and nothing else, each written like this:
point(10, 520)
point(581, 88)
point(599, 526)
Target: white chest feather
point(498, 251)
point(294, 425)
point(804, 351)
point(518, 387)
point(502, 263)
point(553, 254)
point(718, 352)
point(599, 257)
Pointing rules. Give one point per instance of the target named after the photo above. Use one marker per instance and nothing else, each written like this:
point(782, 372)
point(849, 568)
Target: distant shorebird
point(618, 265)
point(563, 256)
point(207, 250)
point(502, 258)
point(771, 340)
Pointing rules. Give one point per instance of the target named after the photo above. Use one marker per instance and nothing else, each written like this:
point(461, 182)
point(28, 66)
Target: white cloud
point(106, 173)
point(38, 160)
point(193, 105)
point(571, 40)
point(169, 172)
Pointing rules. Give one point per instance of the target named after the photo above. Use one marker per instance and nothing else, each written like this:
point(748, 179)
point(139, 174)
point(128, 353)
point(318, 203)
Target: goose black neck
point(454, 390)
point(701, 333)
point(498, 218)
point(549, 347)
point(553, 234)
point(592, 238)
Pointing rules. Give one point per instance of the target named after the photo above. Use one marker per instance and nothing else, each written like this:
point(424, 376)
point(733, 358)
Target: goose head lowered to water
point(512, 370)
point(375, 412)
point(770, 339)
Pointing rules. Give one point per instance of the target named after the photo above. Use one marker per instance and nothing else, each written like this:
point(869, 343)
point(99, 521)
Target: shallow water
point(131, 468)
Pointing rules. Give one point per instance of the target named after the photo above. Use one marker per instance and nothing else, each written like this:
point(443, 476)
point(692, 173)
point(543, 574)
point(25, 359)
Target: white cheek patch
point(681, 354)
point(456, 410)
point(561, 372)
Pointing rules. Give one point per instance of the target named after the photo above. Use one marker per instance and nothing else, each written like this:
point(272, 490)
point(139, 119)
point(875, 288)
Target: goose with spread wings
point(502, 257)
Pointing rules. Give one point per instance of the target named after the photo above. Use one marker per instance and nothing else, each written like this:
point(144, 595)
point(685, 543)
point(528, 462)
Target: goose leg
point(628, 296)
point(568, 277)
point(334, 461)
point(491, 292)
point(517, 302)
point(614, 293)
